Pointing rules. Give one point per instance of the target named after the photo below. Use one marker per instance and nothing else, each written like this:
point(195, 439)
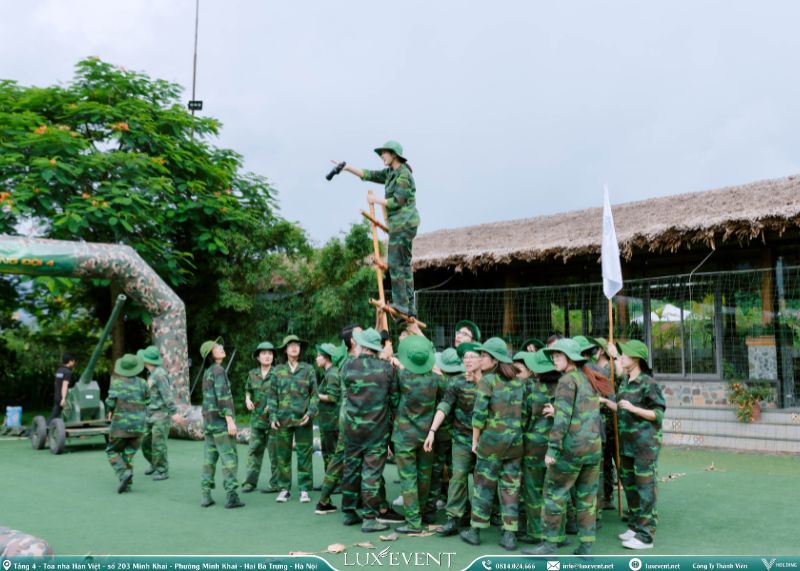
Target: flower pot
point(756, 414)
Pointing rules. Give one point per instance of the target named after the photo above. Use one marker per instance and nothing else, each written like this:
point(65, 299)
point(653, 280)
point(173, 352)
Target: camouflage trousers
point(440, 473)
point(361, 480)
point(414, 468)
point(219, 446)
point(532, 492)
point(328, 441)
point(489, 476)
point(399, 259)
point(333, 470)
point(639, 481)
point(608, 465)
point(120, 451)
point(561, 477)
point(261, 439)
point(458, 489)
point(304, 448)
point(154, 444)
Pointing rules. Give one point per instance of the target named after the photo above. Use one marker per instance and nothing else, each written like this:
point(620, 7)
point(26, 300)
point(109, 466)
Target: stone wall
point(707, 394)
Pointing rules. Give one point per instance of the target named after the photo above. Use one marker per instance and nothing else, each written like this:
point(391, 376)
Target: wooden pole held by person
point(614, 412)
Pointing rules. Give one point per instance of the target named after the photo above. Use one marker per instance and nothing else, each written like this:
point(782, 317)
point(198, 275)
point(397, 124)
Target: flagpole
point(614, 411)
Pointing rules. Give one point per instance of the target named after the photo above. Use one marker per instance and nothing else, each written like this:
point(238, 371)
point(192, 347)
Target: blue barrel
point(13, 416)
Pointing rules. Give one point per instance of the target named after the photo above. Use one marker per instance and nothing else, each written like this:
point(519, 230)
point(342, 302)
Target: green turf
point(747, 505)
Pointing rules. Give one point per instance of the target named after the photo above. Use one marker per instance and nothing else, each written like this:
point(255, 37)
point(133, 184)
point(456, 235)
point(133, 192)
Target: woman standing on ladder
point(403, 220)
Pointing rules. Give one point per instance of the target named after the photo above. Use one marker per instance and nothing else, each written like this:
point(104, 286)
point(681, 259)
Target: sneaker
point(351, 518)
point(585, 548)
point(527, 539)
point(630, 534)
point(283, 497)
point(390, 516)
point(324, 509)
point(247, 488)
point(544, 548)
point(208, 501)
point(471, 535)
point(571, 528)
point(124, 483)
point(449, 528)
point(372, 525)
point(398, 502)
point(234, 501)
point(509, 541)
point(408, 529)
point(636, 543)
point(160, 477)
point(150, 470)
point(269, 490)
point(304, 497)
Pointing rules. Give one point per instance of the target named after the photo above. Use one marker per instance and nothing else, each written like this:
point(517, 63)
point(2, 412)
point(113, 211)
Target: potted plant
point(747, 397)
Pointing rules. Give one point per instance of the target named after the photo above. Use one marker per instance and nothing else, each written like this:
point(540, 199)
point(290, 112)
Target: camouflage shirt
point(331, 386)
point(399, 192)
point(257, 386)
point(162, 401)
point(217, 399)
point(127, 399)
point(458, 401)
point(575, 435)
point(537, 431)
point(445, 431)
point(293, 394)
point(413, 399)
point(367, 382)
point(500, 415)
point(640, 437)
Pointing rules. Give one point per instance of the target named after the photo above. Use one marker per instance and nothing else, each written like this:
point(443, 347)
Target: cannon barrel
point(86, 376)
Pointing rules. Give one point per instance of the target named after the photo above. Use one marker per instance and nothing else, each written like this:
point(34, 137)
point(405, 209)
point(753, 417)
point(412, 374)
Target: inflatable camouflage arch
point(120, 263)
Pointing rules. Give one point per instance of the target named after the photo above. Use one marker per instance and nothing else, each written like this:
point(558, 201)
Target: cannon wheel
point(58, 436)
point(38, 432)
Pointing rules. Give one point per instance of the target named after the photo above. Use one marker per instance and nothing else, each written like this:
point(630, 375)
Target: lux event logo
point(398, 559)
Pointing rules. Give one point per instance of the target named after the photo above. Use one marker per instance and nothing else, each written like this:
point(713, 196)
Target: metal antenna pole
point(194, 64)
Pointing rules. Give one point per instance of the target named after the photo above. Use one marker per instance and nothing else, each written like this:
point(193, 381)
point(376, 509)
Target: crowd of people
point(535, 429)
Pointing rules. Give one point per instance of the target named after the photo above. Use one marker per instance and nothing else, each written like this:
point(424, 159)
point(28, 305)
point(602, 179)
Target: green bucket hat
point(585, 342)
point(472, 326)
point(292, 339)
point(536, 342)
point(602, 342)
point(207, 346)
point(150, 355)
point(569, 347)
point(449, 361)
point(634, 348)
point(328, 349)
point(263, 346)
point(369, 338)
point(468, 347)
point(393, 146)
point(497, 348)
point(539, 362)
point(416, 354)
point(129, 365)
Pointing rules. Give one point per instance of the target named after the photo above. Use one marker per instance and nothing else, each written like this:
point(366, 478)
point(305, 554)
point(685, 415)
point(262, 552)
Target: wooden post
point(381, 320)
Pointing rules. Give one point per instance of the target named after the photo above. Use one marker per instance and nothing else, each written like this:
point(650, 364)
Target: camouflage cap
point(569, 347)
point(449, 361)
point(151, 355)
point(263, 346)
point(472, 326)
point(497, 348)
point(393, 146)
point(129, 365)
point(369, 338)
point(634, 348)
point(468, 347)
point(416, 354)
point(207, 346)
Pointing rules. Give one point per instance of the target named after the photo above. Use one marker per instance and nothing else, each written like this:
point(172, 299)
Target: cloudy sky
point(505, 109)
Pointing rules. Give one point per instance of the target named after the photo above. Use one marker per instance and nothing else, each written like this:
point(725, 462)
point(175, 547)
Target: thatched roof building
point(667, 224)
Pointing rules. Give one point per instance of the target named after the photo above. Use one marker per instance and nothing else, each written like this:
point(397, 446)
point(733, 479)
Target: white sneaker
point(398, 501)
point(630, 534)
point(304, 498)
point(283, 497)
point(634, 543)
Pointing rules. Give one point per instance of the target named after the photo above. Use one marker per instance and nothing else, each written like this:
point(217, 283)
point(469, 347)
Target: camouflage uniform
point(442, 449)
point(292, 396)
point(609, 460)
point(127, 399)
point(161, 408)
point(640, 443)
point(413, 400)
point(535, 440)
point(403, 223)
point(261, 435)
point(328, 418)
point(14, 543)
point(575, 444)
point(217, 404)
point(334, 470)
point(367, 382)
point(459, 399)
point(500, 415)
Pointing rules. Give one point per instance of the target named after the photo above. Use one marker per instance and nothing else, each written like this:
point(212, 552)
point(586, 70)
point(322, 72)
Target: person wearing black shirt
point(62, 382)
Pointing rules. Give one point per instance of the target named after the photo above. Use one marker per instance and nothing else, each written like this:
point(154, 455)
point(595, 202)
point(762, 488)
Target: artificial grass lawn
point(747, 505)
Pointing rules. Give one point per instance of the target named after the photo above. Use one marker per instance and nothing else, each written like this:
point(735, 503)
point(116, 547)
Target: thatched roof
point(666, 224)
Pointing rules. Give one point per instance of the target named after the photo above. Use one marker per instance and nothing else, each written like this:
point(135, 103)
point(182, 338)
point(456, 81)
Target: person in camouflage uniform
point(219, 428)
point(367, 383)
point(159, 410)
point(257, 387)
point(640, 410)
point(573, 452)
point(609, 464)
point(293, 404)
point(458, 403)
point(330, 392)
point(413, 402)
point(127, 401)
point(497, 422)
point(466, 332)
point(400, 203)
point(542, 376)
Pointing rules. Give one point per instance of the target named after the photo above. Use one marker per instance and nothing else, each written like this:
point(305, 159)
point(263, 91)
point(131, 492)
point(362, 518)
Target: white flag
point(612, 272)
